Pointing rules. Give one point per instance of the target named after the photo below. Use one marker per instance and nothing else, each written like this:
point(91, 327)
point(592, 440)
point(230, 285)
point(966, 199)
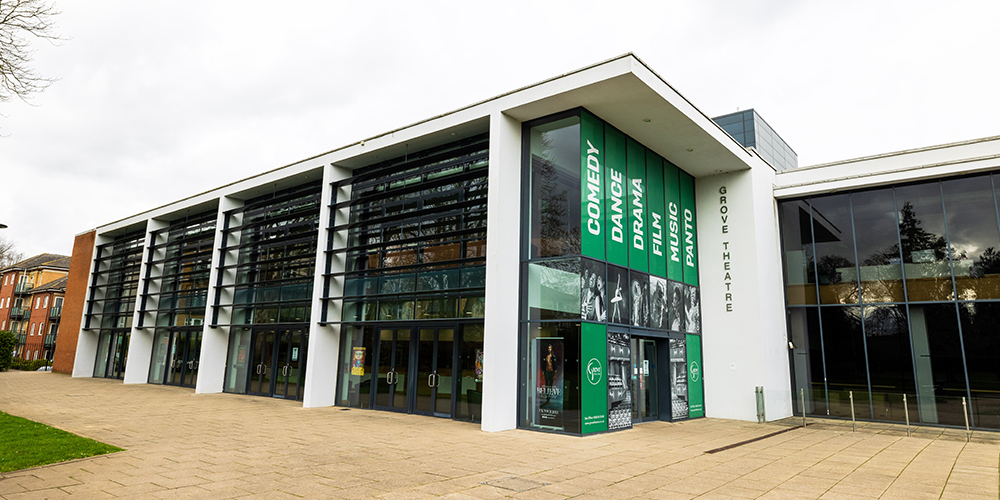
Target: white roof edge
point(895, 153)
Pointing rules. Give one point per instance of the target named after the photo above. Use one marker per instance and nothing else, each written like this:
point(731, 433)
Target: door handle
point(284, 370)
point(430, 380)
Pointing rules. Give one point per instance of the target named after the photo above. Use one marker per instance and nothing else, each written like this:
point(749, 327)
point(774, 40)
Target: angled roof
point(58, 285)
point(46, 260)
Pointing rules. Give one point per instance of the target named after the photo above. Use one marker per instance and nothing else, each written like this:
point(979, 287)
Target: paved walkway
point(227, 446)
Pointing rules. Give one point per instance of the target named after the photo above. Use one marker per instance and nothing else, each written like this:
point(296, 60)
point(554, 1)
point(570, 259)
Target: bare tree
point(8, 251)
point(21, 20)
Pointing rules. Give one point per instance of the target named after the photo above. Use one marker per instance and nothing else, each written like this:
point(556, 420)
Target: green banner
point(696, 394)
point(594, 379)
point(615, 197)
point(591, 186)
point(689, 241)
point(674, 224)
point(654, 207)
point(638, 255)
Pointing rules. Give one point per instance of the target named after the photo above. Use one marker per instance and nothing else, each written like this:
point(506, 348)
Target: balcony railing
point(55, 313)
point(22, 339)
point(18, 312)
point(50, 340)
point(23, 287)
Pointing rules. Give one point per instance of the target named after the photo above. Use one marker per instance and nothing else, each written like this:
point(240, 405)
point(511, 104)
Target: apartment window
point(32, 329)
point(38, 303)
point(53, 328)
point(58, 302)
point(46, 301)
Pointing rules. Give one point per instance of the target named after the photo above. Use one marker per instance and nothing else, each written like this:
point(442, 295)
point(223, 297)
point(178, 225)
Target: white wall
point(503, 227)
point(743, 333)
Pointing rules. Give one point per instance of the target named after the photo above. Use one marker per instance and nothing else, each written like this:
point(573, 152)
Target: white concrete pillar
point(215, 340)
point(744, 337)
point(140, 345)
point(503, 229)
point(323, 354)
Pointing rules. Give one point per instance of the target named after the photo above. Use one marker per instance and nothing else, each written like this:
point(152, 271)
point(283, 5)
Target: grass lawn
point(24, 444)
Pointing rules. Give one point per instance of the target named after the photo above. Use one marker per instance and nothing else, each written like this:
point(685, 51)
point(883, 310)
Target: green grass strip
point(24, 444)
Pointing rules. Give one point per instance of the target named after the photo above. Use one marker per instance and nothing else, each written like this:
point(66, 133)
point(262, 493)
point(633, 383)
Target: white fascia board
point(904, 166)
point(622, 91)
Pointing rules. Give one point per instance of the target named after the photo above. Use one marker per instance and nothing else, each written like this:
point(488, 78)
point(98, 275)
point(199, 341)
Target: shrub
point(8, 342)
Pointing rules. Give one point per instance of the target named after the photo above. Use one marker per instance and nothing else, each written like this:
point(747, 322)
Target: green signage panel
point(594, 379)
point(696, 394)
point(674, 224)
point(690, 240)
point(615, 197)
point(638, 255)
point(655, 207)
point(591, 186)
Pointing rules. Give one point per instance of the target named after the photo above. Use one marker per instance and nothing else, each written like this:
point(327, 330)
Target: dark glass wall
point(112, 300)
point(894, 291)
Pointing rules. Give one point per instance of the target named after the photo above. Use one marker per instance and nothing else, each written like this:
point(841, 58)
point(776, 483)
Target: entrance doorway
point(428, 370)
point(176, 355)
point(112, 354)
point(277, 362)
point(645, 390)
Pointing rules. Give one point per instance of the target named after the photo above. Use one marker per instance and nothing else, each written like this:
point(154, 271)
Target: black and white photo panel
point(619, 381)
point(675, 306)
point(593, 292)
point(658, 297)
point(618, 295)
point(692, 309)
point(640, 299)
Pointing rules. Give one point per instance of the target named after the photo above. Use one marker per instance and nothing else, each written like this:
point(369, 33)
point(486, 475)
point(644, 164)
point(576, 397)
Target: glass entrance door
point(393, 361)
point(434, 367)
point(645, 404)
point(262, 362)
point(112, 353)
point(277, 362)
point(182, 358)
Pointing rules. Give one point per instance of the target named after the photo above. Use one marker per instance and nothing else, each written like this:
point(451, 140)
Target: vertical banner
point(615, 197)
point(591, 185)
point(638, 253)
point(672, 200)
point(619, 381)
point(549, 377)
point(655, 208)
point(594, 380)
point(696, 398)
point(690, 241)
point(678, 380)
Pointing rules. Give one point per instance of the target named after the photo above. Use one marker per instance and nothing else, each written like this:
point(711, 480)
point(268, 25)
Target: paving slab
point(179, 444)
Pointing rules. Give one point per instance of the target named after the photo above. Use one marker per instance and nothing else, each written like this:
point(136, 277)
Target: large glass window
point(796, 236)
point(981, 336)
point(846, 363)
point(973, 236)
point(554, 207)
point(887, 339)
point(807, 360)
point(922, 239)
point(833, 233)
point(552, 398)
point(877, 246)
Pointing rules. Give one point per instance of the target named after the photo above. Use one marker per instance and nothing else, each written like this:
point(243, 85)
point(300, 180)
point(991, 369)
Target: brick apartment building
point(31, 297)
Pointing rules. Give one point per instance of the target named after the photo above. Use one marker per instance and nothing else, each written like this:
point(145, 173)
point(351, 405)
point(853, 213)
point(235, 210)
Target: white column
point(744, 337)
point(324, 340)
point(140, 345)
point(215, 341)
point(503, 230)
point(86, 342)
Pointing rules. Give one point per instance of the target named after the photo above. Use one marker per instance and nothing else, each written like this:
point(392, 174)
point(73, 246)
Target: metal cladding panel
point(655, 208)
point(674, 224)
point(616, 199)
point(592, 227)
point(638, 256)
point(689, 222)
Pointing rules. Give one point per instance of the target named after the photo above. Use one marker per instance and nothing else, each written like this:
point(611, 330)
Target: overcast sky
point(160, 100)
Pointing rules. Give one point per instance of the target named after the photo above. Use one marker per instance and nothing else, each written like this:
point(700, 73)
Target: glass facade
point(114, 284)
point(273, 239)
point(751, 131)
point(609, 280)
point(175, 295)
point(414, 282)
point(892, 291)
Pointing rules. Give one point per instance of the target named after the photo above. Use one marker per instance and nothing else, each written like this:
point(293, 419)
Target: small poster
point(549, 382)
point(479, 365)
point(241, 355)
point(358, 361)
point(295, 354)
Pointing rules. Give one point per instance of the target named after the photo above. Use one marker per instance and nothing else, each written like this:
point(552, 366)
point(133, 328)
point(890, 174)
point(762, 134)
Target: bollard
point(854, 427)
point(759, 395)
point(906, 411)
point(965, 413)
point(802, 400)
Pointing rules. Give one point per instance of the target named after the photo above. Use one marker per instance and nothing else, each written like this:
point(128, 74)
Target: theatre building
point(577, 256)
